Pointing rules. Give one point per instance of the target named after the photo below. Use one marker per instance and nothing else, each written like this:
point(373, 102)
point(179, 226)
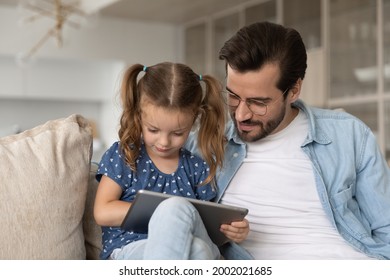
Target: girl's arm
point(236, 231)
point(108, 209)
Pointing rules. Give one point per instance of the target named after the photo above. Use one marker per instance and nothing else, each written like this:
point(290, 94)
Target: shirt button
point(235, 155)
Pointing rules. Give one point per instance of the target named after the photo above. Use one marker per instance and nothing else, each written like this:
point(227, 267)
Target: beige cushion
point(43, 187)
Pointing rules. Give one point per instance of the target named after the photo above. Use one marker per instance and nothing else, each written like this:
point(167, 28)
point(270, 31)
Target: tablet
point(213, 214)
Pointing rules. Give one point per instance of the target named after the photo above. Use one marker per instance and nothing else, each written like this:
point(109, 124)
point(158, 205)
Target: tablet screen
point(213, 214)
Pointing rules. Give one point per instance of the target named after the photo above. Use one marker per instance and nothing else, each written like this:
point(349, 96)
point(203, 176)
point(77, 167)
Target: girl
point(159, 111)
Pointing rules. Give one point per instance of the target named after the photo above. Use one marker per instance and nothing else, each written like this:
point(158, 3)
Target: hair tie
point(200, 78)
point(144, 69)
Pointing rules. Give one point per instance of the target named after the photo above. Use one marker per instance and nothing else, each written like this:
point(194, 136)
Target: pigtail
point(211, 137)
point(130, 126)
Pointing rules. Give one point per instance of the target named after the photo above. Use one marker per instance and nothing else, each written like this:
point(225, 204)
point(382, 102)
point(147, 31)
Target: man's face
point(257, 88)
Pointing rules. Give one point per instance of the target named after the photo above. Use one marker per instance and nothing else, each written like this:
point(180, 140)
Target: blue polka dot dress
point(185, 181)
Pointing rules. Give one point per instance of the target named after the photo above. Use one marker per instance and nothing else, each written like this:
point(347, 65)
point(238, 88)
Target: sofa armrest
point(92, 231)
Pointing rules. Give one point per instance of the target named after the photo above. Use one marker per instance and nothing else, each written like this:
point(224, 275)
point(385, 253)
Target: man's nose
point(243, 112)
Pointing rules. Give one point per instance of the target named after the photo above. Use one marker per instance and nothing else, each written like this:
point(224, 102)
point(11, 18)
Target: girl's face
point(164, 131)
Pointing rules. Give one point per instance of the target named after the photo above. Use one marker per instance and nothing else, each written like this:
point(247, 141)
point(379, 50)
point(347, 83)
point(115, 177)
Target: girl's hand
point(236, 231)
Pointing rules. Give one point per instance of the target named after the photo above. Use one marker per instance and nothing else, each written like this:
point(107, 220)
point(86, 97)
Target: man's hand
point(236, 231)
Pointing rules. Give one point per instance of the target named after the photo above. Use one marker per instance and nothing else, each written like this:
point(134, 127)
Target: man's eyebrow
point(263, 99)
point(229, 90)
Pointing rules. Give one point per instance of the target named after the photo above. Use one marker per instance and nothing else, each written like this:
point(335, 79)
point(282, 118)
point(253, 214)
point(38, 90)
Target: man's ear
point(295, 90)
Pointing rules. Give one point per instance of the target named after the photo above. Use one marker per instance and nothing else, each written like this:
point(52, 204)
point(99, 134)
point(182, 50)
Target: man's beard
point(265, 129)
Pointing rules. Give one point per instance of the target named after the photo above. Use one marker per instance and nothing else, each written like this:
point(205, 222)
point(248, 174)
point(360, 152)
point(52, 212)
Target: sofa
point(47, 190)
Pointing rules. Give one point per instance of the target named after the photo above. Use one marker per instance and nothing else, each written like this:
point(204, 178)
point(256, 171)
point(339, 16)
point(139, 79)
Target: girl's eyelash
point(153, 130)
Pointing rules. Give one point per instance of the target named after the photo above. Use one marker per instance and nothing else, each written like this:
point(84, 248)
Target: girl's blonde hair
point(175, 86)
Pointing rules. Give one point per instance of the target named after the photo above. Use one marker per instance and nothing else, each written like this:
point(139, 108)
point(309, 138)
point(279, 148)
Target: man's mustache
point(250, 122)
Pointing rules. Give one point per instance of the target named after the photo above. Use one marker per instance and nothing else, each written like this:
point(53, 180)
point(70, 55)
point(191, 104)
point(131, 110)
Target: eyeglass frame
point(253, 100)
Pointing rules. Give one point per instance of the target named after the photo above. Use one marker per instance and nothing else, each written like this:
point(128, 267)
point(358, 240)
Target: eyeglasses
point(257, 107)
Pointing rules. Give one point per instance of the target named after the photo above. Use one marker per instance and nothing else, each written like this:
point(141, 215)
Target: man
point(314, 180)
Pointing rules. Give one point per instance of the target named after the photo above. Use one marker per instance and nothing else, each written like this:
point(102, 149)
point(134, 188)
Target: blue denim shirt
point(351, 175)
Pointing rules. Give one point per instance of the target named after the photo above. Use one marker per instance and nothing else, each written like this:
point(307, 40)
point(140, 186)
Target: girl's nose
point(163, 140)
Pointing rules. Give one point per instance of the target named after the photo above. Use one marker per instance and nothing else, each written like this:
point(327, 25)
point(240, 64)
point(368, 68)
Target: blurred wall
point(81, 77)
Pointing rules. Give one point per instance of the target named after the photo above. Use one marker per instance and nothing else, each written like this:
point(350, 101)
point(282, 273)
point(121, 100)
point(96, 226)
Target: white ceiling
point(169, 11)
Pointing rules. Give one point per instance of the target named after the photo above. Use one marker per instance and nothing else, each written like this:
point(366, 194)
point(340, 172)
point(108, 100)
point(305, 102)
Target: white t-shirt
point(276, 183)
